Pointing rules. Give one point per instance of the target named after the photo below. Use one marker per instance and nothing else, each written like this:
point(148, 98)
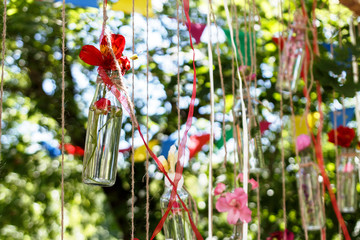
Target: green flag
point(247, 61)
point(228, 134)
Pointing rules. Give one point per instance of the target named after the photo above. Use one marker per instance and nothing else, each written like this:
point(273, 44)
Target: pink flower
point(235, 204)
point(254, 184)
point(279, 235)
point(219, 189)
point(348, 167)
point(240, 177)
point(302, 142)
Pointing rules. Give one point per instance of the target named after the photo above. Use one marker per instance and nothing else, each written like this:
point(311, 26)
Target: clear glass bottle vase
point(256, 156)
point(310, 195)
point(237, 232)
point(102, 136)
point(177, 225)
point(292, 59)
point(347, 170)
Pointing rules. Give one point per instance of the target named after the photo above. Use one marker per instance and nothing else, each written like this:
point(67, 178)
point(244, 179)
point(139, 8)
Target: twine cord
point(244, 122)
point(222, 85)
point(282, 127)
point(147, 123)
point(62, 117)
point(133, 128)
point(178, 69)
point(210, 65)
point(2, 69)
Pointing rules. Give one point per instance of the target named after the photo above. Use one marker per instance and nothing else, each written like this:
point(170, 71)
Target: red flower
point(345, 136)
point(102, 104)
point(280, 235)
point(69, 148)
point(79, 151)
point(103, 58)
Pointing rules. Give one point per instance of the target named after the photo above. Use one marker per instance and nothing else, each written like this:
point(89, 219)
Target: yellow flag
point(139, 7)
point(300, 123)
point(140, 152)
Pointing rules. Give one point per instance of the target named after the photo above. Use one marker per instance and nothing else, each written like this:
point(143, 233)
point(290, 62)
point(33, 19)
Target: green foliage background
point(30, 179)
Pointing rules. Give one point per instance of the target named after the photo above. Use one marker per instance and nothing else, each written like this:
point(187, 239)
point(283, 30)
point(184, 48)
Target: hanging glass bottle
point(102, 136)
point(176, 226)
point(310, 195)
point(256, 156)
point(237, 232)
point(292, 56)
point(347, 171)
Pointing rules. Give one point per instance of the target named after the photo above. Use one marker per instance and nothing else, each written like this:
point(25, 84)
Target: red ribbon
point(320, 160)
point(181, 150)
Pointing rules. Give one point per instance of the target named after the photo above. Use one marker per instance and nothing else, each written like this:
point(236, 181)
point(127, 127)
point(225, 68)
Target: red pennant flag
point(197, 30)
point(196, 143)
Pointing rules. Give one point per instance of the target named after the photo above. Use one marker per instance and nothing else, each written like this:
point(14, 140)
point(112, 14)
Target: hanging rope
point(244, 122)
point(147, 122)
point(236, 142)
point(221, 82)
point(178, 69)
point(62, 117)
point(133, 127)
point(211, 72)
point(2, 69)
point(282, 127)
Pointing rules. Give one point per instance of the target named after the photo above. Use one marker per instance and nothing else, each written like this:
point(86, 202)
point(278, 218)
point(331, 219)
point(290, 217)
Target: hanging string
point(221, 82)
point(2, 69)
point(234, 102)
point(210, 65)
point(337, 162)
point(282, 126)
point(62, 117)
point(178, 69)
point(244, 122)
point(147, 122)
point(133, 127)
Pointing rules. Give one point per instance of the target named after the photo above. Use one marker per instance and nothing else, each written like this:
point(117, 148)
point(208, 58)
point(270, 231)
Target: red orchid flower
point(103, 58)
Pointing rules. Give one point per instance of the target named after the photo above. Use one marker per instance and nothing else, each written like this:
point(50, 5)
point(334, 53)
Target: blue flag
point(340, 118)
point(82, 3)
point(165, 146)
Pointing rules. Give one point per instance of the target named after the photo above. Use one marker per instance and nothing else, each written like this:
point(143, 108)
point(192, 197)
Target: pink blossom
point(240, 177)
point(254, 184)
point(219, 189)
point(348, 167)
point(235, 204)
point(279, 235)
point(302, 142)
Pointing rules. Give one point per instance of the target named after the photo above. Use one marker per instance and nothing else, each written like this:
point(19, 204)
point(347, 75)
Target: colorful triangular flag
point(342, 119)
point(139, 7)
point(247, 61)
point(196, 30)
point(82, 3)
point(196, 143)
